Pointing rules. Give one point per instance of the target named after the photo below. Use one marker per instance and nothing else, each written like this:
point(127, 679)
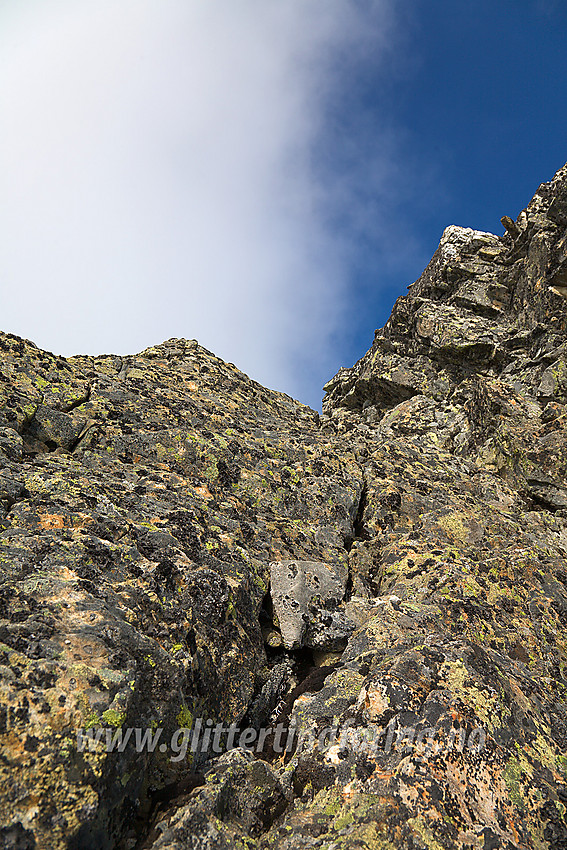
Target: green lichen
point(418, 825)
point(184, 718)
point(211, 471)
point(512, 777)
point(112, 717)
point(92, 720)
point(343, 821)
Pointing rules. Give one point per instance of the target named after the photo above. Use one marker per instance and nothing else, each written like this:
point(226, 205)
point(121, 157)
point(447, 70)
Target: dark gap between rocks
point(78, 402)
point(359, 533)
point(292, 672)
point(165, 801)
point(539, 503)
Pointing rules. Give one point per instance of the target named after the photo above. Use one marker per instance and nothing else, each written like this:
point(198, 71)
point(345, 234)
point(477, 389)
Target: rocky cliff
point(184, 550)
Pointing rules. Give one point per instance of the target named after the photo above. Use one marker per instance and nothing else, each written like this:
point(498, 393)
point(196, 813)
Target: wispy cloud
point(167, 169)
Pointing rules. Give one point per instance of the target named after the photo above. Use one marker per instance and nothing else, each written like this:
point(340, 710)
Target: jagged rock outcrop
point(147, 501)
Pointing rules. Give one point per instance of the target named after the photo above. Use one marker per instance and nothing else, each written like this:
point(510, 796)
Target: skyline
point(264, 178)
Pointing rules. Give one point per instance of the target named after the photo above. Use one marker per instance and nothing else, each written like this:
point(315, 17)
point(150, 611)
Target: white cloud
point(159, 175)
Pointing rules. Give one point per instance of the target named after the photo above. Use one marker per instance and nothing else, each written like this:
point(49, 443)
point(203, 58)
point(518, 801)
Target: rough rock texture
point(306, 596)
point(145, 502)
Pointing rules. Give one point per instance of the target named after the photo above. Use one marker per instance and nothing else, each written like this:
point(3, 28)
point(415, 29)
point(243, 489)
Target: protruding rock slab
point(305, 597)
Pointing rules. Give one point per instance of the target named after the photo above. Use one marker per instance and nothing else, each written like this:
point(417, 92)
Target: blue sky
point(263, 176)
point(477, 99)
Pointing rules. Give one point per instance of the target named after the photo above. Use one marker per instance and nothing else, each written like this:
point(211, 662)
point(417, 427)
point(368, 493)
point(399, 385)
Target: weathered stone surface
point(242, 797)
point(306, 596)
point(135, 552)
point(143, 500)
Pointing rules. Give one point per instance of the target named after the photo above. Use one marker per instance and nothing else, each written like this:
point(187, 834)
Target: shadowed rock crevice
point(360, 532)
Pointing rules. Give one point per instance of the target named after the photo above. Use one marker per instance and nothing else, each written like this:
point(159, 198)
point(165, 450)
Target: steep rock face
point(143, 500)
point(415, 535)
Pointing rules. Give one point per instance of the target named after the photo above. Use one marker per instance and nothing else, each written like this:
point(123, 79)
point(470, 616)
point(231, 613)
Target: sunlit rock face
point(179, 544)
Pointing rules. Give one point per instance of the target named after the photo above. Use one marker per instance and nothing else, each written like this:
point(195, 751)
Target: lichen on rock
point(180, 544)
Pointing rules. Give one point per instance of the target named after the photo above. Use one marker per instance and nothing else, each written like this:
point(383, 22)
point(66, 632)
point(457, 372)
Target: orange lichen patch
point(82, 520)
point(349, 791)
point(486, 788)
point(14, 744)
point(515, 689)
point(48, 521)
point(384, 775)
point(69, 575)
point(513, 832)
point(375, 702)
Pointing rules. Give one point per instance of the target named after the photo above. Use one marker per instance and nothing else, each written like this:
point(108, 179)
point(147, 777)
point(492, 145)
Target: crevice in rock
point(79, 401)
point(163, 800)
point(290, 673)
point(271, 705)
point(42, 436)
point(360, 533)
point(534, 502)
point(349, 584)
point(24, 428)
point(79, 439)
point(305, 676)
point(7, 502)
point(287, 668)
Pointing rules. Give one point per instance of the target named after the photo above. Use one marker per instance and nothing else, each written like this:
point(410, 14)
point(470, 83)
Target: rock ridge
point(180, 544)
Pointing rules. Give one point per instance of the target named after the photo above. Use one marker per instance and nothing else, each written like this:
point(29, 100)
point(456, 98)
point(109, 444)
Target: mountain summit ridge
point(180, 544)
